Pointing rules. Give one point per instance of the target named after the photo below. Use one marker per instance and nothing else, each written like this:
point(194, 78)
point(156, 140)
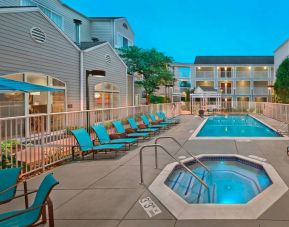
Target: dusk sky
point(183, 29)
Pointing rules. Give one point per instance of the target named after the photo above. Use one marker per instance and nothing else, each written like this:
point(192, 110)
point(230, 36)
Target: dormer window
point(125, 25)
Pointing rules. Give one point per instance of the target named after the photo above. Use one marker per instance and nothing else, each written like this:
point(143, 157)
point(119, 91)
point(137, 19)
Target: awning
point(13, 85)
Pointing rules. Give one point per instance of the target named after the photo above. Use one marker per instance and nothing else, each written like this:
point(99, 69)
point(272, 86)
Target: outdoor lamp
point(91, 73)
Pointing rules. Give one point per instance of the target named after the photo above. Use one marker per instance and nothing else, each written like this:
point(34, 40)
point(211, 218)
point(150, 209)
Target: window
point(185, 84)
point(123, 42)
point(57, 19)
point(106, 96)
point(185, 72)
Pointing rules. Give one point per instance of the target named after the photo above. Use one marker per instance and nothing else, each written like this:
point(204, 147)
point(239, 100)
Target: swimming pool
point(230, 181)
point(235, 126)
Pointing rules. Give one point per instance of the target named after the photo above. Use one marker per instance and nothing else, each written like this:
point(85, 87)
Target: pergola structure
point(205, 96)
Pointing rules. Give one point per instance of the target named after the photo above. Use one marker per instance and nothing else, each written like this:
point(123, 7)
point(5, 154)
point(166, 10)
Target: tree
point(281, 85)
point(152, 64)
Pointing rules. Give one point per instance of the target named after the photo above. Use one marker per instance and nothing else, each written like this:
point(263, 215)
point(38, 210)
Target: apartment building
point(48, 43)
point(237, 78)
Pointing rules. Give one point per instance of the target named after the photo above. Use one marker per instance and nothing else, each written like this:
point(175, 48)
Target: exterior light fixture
point(249, 67)
point(265, 68)
point(91, 73)
point(199, 68)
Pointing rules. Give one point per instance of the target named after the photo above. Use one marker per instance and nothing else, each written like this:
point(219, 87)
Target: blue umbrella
point(13, 85)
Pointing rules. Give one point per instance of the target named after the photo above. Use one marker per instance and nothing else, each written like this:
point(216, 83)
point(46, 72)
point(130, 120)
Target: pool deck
point(106, 193)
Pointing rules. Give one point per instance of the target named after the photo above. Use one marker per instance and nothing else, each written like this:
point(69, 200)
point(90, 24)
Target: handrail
point(180, 145)
point(180, 163)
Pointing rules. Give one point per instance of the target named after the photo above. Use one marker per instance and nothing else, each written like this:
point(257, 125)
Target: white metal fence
point(37, 141)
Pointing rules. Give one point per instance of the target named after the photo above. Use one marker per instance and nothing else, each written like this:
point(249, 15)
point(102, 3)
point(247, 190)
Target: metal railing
point(168, 153)
point(35, 142)
point(180, 145)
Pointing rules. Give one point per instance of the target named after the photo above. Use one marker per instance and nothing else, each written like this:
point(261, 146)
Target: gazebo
point(208, 98)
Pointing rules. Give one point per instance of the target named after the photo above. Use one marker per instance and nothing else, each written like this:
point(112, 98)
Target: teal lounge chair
point(86, 145)
point(104, 138)
point(8, 185)
point(133, 124)
point(149, 125)
point(171, 121)
point(31, 216)
point(120, 129)
point(153, 118)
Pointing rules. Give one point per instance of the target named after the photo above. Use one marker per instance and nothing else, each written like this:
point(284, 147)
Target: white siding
point(9, 3)
point(56, 57)
point(281, 54)
point(119, 28)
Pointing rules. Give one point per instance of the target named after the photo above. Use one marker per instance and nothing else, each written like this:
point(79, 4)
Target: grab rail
point(180, 163)
point(180, 145)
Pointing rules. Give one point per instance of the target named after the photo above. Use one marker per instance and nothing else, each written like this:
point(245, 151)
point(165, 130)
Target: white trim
point(81, 82)
point(102, 45)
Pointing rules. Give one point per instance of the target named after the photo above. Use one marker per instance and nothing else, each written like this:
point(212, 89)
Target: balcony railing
point(205, 75)
point(260, 75)
point(226, 91)
point(260, 91)
point(243, 91)
point(243, 74)
point(225, 75)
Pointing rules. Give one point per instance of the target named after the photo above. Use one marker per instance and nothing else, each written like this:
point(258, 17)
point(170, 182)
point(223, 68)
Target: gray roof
point(105, 18)
point(208, 89)
point(87, 45)
point(234, 60)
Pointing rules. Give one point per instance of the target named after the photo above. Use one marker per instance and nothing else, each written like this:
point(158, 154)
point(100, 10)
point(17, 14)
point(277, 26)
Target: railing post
point(42, 143)
point(141, 166)
point(156, 155)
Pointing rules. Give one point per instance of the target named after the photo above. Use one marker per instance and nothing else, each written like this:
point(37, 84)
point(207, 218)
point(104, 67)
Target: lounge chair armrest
point(142, 126)
point(9, 188)
point(22, 212)
point(117, 136)
point(130, 130)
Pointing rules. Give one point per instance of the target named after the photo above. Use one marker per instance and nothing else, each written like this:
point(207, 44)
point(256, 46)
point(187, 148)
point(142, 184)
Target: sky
point(183, 29)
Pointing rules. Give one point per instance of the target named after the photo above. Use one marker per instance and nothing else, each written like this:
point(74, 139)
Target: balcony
point(224, 75)
point(260, 91)
point(205, 75)
point(243, 91)
point(260, 75)
point(226, 91)
point(243, 74)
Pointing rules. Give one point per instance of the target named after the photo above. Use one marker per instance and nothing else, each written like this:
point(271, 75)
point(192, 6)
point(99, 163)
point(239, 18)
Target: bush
point(159, 99)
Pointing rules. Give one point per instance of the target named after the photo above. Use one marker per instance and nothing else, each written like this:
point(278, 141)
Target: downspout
point(81, 82)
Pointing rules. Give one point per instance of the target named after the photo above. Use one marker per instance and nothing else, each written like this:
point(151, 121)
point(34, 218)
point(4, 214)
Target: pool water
point(229, 181)
point(235, 126)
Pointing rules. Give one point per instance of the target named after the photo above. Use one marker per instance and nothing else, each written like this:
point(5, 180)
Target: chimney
point(77, 31)
point(94, 39)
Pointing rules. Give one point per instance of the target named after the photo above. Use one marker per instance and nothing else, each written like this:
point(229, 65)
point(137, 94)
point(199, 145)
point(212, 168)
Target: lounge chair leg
point(93, 155)
point(26, 196)
point(43, 213)
point(50, 212)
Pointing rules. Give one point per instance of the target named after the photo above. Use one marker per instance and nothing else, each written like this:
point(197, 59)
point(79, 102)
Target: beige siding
point(103, 30)
point(130, 95)
point(56, 57)
point(115, 71)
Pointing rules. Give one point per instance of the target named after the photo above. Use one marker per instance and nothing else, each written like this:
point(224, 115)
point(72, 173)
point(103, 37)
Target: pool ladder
point(179, 162)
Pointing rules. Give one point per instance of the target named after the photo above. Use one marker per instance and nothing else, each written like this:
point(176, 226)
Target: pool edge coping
point(199, 128)
point(252, 210)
